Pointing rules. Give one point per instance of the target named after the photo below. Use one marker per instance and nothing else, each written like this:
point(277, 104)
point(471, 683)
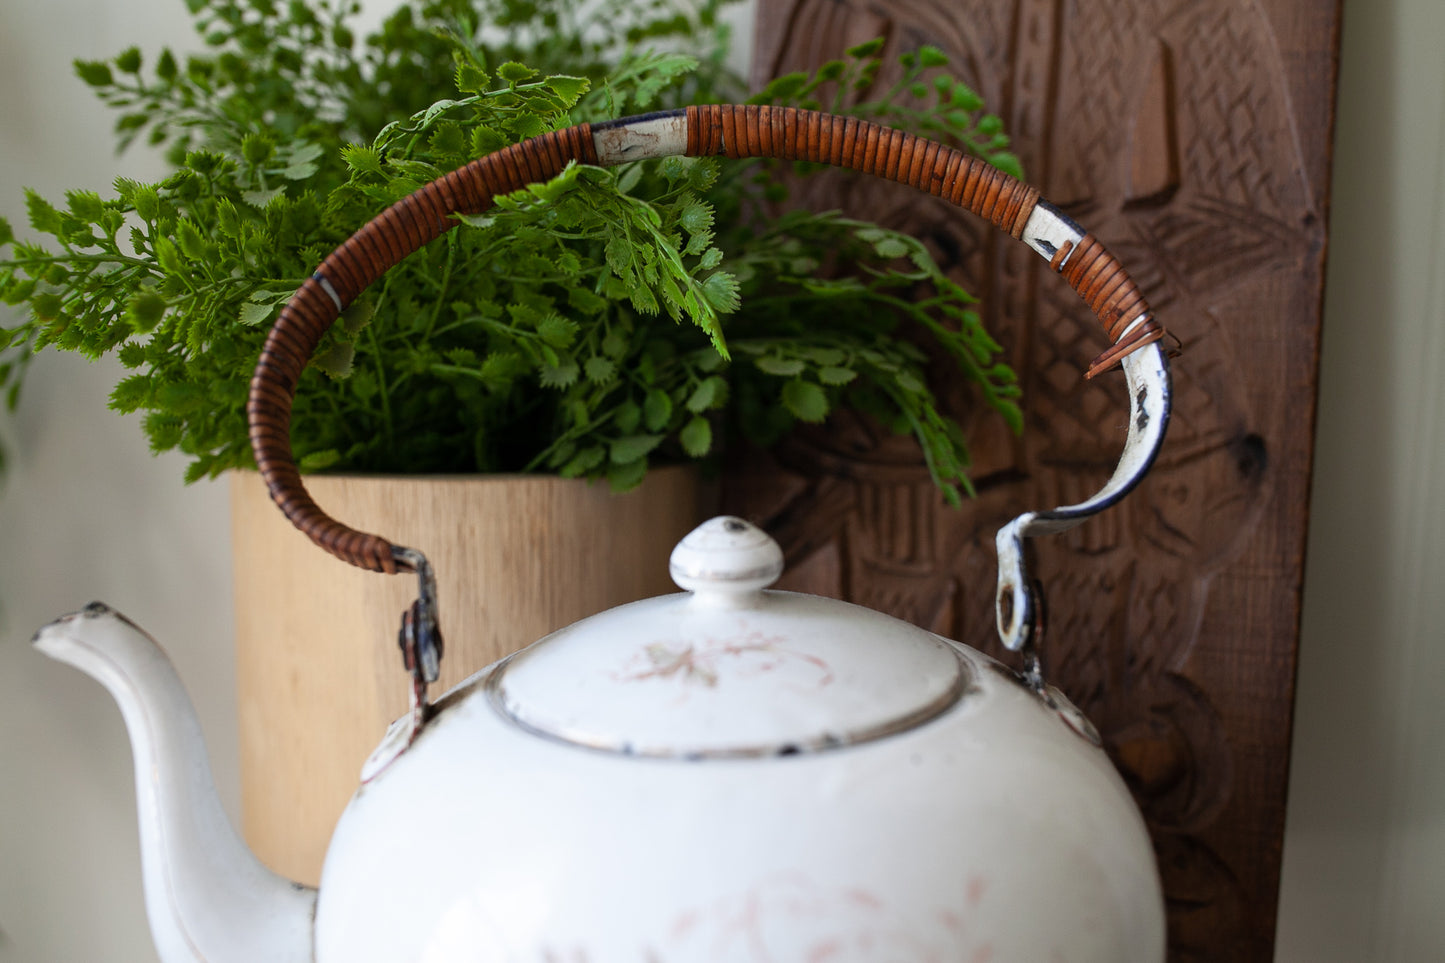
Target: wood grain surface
point(1192, 136)
point(318, 670)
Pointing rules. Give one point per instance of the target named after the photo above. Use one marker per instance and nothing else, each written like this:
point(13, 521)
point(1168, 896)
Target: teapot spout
point(208, 898)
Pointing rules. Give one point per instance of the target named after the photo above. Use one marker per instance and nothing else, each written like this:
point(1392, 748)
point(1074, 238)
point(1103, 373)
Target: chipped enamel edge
point(663, 135)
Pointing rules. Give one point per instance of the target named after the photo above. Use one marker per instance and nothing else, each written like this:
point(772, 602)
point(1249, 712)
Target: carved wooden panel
point(1192, 137)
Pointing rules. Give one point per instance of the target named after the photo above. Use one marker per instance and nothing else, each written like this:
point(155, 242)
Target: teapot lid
point(729, 669)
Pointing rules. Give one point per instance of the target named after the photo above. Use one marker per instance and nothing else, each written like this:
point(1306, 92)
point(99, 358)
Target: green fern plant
point(591, 325)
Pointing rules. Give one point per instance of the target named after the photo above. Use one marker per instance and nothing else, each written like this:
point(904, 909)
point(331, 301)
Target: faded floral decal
point(785, 918)
point(792, 917)
point(745, 655)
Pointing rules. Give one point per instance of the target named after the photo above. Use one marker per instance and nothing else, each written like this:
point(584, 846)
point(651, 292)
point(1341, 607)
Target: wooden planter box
point(318, 670)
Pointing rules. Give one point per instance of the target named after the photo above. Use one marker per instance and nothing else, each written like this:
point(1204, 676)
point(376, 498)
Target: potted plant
point(592, 327)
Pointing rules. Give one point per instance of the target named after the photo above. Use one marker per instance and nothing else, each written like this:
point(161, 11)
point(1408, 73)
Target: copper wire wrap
point(788, 133)
point(784, 133)
point(404, 227)
point(1112, 295)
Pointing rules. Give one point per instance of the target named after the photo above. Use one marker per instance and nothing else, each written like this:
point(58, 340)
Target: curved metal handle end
point(1146, 371)
point(420, 636)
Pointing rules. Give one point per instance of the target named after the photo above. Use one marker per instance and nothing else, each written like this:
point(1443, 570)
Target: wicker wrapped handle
point(733, 131)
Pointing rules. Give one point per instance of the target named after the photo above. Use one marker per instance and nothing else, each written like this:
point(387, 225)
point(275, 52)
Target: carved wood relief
point(1190, 136)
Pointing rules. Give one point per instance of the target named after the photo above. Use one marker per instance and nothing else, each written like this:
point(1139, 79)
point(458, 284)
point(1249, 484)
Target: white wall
point(1364, 875)
point(85, 513)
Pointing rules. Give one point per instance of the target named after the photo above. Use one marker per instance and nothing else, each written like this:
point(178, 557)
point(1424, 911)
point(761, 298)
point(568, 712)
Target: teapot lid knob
point(725, 559)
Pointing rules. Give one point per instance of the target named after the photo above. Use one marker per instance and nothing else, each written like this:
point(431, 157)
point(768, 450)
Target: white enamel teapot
point(726, 774)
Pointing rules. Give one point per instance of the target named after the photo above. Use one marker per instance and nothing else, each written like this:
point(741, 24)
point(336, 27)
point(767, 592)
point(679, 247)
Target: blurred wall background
point(87, 513)
point(1364, 858)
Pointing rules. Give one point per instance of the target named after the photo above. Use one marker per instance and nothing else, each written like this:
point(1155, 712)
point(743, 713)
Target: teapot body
point(729, 775)
point(995, 830)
